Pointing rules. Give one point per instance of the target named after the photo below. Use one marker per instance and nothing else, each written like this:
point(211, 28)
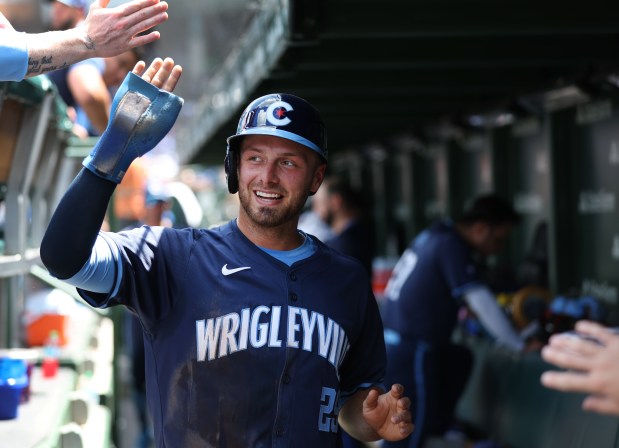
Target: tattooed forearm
point(43, 65)
point(36, 65)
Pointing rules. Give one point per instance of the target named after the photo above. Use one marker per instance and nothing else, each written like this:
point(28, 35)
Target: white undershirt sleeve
point(102, 272)
point(483, 303)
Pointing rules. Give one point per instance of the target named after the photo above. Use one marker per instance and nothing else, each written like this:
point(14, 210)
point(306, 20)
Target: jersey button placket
point(285, 379)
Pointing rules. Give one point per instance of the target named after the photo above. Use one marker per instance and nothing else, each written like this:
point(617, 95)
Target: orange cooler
point(37, 331)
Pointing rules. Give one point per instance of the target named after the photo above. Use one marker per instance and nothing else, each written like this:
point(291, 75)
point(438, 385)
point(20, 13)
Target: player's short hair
point(491, 209)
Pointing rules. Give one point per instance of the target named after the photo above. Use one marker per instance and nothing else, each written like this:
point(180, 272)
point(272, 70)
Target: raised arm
point(105, 32)
point(143, 112)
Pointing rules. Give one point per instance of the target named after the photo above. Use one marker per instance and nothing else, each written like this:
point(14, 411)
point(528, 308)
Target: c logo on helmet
point(280, 120)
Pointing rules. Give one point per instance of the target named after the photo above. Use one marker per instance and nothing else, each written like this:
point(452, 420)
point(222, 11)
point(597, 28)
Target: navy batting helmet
point(281, 115)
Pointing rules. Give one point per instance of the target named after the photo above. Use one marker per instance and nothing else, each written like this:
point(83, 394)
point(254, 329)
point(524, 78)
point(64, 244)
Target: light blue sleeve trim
point(102, 272)
point(13, 56)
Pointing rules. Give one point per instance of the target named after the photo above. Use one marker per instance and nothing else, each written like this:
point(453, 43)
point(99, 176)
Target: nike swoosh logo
point(226, 271)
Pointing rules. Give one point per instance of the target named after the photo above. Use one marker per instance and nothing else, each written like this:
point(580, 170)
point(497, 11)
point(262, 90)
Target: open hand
point(591, 357)
point(388, 414)
point(163, 74)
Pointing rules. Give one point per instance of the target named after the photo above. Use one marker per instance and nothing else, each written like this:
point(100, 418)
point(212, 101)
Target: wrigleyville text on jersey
point(305, 330)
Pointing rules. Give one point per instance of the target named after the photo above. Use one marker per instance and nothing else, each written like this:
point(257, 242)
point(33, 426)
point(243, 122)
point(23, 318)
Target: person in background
point(433, 278)
point(103, 33)
point(344, 210)
point(311, 220)
point(130, 202)
point(157, 205)
point(85, 86)
point(254, 295)
point(591, 357)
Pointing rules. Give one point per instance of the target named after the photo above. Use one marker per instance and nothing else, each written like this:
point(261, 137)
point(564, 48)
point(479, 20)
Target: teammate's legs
point(409, 363)
point(456, 366)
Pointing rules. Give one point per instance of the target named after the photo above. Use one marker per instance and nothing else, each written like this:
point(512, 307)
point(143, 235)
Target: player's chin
point(269, 216)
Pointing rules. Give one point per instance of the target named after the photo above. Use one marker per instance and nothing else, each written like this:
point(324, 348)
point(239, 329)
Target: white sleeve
point(102, 272)
point(483, 303)
point(13, 56)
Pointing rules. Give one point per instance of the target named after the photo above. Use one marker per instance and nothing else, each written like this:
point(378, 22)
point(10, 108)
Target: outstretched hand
point(388, 414)
point(111, 31)
point(591, 357)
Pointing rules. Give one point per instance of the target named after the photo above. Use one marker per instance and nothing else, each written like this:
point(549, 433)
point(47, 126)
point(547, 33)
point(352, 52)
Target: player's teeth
point(267, 195)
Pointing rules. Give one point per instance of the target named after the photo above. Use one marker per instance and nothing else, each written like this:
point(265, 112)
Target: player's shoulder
point(441, 233)
point(222, 229)
point(220, 235)
point(215, 232)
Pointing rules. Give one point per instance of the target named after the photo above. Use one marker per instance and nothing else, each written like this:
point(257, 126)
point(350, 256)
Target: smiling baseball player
point(255, 333)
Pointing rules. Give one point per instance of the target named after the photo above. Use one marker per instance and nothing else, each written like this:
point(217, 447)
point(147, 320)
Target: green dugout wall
point(525, 150)
point(586, 185)
point(560, 168)
point(470, 169)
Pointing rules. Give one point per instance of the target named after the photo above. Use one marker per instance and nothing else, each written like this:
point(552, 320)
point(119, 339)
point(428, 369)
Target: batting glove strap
point(141, 116)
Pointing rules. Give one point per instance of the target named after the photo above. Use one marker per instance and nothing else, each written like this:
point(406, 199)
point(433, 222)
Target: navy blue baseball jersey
point(241, 349)
point(428, 283)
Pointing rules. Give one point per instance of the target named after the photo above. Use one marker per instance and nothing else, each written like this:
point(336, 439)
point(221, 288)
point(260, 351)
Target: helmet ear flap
point(230, 167)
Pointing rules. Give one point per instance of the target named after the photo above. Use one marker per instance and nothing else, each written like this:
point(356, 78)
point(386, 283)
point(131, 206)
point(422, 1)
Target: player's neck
point(282, 237)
